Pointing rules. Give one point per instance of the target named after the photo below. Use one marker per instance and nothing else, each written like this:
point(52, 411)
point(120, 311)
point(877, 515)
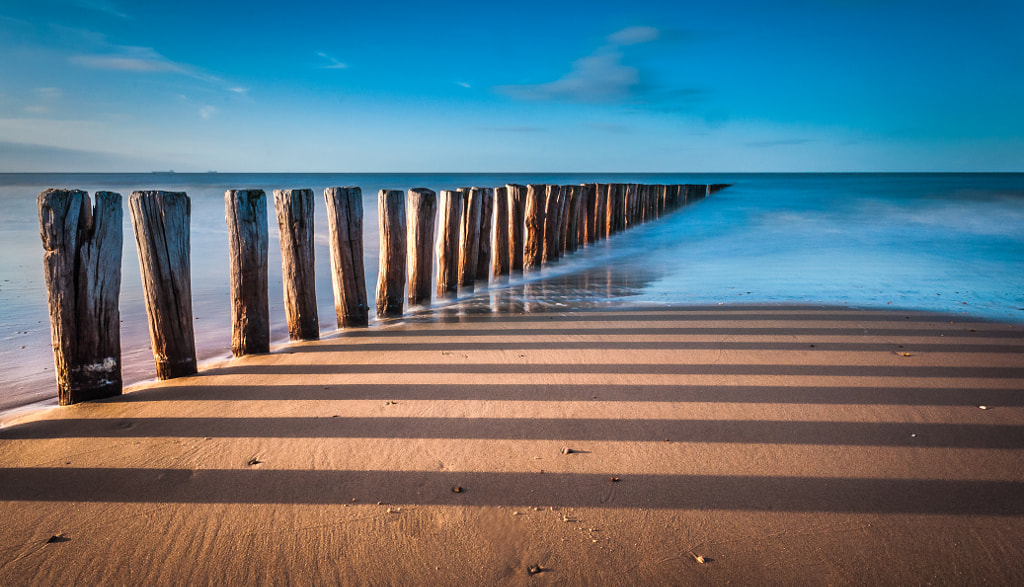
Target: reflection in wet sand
point(588, 288)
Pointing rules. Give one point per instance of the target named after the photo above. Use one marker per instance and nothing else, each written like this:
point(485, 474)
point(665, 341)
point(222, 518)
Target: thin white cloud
point(600, 77)
point(111, 57)
point(634, 35)
point(102, 6)
point(206, 112)
point(125, 63)
point(464, 84)
point(333, 63)
point(239, 90)
point(37, 109)
point(597, 78)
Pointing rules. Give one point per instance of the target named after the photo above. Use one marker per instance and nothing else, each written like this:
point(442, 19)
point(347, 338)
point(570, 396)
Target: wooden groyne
point(482, 234)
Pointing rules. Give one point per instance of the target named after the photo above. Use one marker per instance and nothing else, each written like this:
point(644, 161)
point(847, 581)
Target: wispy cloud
point(102, 6)
point(597, 78)
point(332, 63)
point(463, 84)
point(105, 55)
point(207, 112)
point(600, 77)
point(634, 35)
point(239, 90)
point(43, 100)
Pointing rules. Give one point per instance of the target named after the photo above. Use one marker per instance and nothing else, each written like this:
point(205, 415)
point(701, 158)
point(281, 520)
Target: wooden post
point(616, 196)
point(601, 211)
point(82, 268)
point(639, 201)
point(246, 214)
point(533, 247)
point(583, 214)
point(500, 243)
point(345, 225)
point(563, 219)
point(294, 211)
point(450, 218)
point(688, 194)
point(590, 198)
point(391, 276)
point(469, 236)
point(551, 228)
point(573, 219)
point(649, 203)
point(162, 235)
point(671, 197)
point(651, 208)
point(421, 205)
point(483, 257)
point(631, 206)
point(516, 225)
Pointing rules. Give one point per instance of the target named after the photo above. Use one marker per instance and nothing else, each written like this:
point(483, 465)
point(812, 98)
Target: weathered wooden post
point(246, 214)
point(391, 274)
point(500, 243)
point(82, 268)
point(590, 197)
point(563, 218)
point(582, 214)
point(627, 194)
point(533, 247)
point(649, 203)
point(601, 211)
point(631, 205)
point(469, 236)
point(294, 211)
point(516, 225)
point(616, 196)
point(551, 228)
point(671, 197)
point(573, 223)
point(483, 256)
point(345, 225)
point(162, 235)
point(450, 220)
point(421, 215)
point(688, 194)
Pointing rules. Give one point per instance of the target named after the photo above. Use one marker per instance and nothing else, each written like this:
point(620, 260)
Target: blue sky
point(787, 85)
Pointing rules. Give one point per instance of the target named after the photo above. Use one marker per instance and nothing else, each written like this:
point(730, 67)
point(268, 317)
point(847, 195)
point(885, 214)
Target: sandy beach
point(670, 445)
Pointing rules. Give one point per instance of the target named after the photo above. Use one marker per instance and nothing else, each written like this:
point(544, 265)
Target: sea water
point(951, 243)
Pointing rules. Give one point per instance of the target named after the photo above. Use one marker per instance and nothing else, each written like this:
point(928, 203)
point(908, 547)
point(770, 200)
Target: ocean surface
point(951, 243)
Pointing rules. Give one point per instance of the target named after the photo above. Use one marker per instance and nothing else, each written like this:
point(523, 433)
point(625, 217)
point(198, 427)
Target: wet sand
point(744, 444)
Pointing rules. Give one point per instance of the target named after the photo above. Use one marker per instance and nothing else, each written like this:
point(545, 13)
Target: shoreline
point(777, 443)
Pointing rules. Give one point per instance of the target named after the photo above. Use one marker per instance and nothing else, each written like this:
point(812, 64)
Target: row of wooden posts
point(483, 231)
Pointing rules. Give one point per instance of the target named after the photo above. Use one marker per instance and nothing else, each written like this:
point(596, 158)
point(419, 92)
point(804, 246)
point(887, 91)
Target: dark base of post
point(172, 369)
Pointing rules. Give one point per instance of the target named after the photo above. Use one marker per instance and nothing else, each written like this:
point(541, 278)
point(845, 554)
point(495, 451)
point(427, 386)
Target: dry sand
point(751, 445)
